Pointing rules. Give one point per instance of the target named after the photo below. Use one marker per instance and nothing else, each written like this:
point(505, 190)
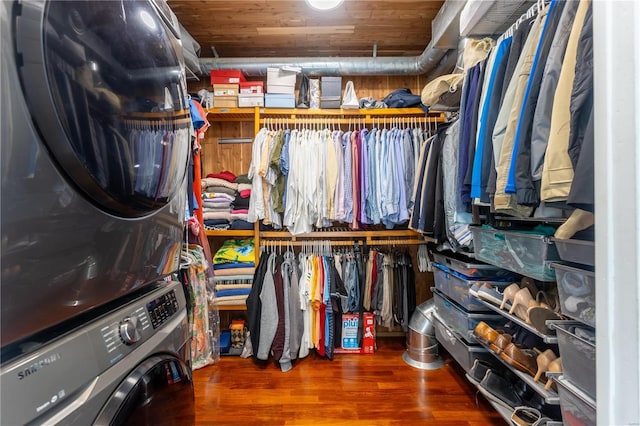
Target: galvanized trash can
point(422, 346)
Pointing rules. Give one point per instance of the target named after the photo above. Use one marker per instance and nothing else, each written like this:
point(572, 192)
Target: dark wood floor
point(377, 389)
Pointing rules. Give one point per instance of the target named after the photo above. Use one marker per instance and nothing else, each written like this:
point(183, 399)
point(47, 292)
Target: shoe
point(555, 366)
point(521, 358)
point(538, 315)
point(475, 287)
point(501, 388)
point(508, 294)
point(525, 416)
point(521, 303)
point(478, 370)
point(501, 342)
point(543, 360)
point(485, 333)
point(490, 294)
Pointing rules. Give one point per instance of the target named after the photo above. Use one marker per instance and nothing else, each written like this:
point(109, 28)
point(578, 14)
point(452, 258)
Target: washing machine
point(94, 153)
point(127, 367)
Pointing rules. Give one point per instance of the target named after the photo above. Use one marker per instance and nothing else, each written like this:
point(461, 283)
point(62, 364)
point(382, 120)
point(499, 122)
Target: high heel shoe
point(520, 305)
point(543, 361)
point(508, 294)
point(555, 366)
point(547, 308)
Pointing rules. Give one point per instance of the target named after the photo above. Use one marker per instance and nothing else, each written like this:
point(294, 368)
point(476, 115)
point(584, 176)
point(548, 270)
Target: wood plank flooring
point(377, 389)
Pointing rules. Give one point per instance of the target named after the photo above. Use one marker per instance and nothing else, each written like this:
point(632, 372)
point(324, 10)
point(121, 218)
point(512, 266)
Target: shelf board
point(230, 233)
point(231, 114)
point(545, 337)
point(344, 234)
point(550, 397)
point(231, 307)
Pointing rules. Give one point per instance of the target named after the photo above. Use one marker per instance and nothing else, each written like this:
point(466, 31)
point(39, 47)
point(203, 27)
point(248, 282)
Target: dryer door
point(159, 391)
point(106, 88)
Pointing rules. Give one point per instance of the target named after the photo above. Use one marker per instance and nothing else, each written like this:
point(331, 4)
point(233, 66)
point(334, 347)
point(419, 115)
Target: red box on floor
point(349, 343)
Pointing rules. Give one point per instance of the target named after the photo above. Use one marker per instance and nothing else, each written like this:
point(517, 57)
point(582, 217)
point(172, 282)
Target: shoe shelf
point(550, 396)
point(502, 409)
point(547, 338)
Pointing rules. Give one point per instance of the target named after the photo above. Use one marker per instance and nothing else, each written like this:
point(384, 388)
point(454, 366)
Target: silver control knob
point(130, 330)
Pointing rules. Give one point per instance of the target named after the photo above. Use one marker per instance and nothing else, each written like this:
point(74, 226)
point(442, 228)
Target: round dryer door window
point(106, 87)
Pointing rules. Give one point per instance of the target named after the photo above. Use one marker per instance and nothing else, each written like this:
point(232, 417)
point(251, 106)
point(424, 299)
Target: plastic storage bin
point(461, 322)
point(457, 286)
point(525, 254)
point(473, 270)
point(578, 357)
point(577, 292)
point(463, 354)
point(577, 409)
point(576, 251)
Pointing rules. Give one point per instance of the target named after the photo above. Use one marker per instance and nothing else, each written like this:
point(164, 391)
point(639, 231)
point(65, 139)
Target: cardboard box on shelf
point(349, 343)
point(247, 87)
point(225, 90)
point(225, 101)
point(226, 77)
point(250, 100)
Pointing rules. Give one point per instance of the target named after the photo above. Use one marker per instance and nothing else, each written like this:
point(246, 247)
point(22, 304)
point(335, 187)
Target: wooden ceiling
point(290, 28)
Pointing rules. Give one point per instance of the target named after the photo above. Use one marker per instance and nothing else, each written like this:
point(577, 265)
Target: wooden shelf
point(231, 307)
point(253, 113)
point(397, 237)
point(231, 114)
point(230, 233)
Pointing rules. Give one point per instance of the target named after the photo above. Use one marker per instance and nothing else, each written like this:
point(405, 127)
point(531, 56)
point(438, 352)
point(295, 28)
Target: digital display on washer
point(161, 308)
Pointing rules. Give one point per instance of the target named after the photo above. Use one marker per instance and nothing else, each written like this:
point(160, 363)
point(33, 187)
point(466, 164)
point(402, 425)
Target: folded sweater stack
point(225, 202)
point(234, 267)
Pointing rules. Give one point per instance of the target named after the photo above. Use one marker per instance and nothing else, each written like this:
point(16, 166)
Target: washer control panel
point(162, 308)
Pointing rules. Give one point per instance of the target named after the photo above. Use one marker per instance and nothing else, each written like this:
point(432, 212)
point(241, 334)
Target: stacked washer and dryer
point(95, 147)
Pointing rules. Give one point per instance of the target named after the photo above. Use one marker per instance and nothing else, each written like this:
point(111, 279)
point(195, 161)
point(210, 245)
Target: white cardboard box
point(250, 100)
point(281, 81)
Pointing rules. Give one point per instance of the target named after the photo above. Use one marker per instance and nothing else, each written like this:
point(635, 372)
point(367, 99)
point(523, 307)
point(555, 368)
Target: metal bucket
point(422, 346)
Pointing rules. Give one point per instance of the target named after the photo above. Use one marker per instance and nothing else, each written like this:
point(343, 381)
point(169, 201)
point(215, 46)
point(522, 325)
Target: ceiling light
point(324, 4)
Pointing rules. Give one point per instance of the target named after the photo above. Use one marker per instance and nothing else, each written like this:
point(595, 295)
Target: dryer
point(94, 153)
point(128, 367)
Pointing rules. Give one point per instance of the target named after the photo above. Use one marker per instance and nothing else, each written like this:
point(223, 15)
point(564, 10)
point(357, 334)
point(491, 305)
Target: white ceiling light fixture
point(324, 4)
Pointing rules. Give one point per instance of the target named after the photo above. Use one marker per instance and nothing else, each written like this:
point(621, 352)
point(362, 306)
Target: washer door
point(106, 88)
point(158, 392)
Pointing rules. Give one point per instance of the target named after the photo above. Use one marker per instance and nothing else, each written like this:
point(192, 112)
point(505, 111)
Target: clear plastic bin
point(576, 251)
point(457, 287)
point(576, 408)
point(578, 357)
point(464, 354)
point(471, 270)
point(461, 322)
point(577, 293)
point(526, 254)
